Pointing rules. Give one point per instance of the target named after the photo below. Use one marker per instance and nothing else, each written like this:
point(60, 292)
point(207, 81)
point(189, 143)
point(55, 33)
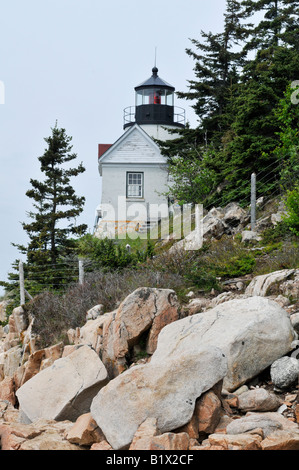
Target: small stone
point(85, 431)
point(238, 441)
point(7, 390)
point(232, 401)
point(241, 389)
point(170, 441)
point(281, 440)
point(282, 408)
point(101, 446)
point(258, 399)
point(291, 398)
point(145, 432)
point(284, 372)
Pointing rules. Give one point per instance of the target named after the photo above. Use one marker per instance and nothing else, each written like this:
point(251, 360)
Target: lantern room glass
point(154, 96)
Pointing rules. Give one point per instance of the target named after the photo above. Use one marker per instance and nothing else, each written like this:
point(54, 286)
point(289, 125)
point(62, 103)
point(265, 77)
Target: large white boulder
point(233, 341)
point(64, 390)
point(251, 332)
point(166, 391)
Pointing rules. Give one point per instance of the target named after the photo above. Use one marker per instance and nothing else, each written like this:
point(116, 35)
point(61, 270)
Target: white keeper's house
point(134, 173)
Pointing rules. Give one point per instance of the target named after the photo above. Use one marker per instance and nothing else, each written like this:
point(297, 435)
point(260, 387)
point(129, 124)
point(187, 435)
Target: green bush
point(292, 209)
point(235, 266)
point(112, 254)
point(275, 234)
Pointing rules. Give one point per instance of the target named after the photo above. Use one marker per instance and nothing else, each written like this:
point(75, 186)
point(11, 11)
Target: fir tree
point(218, 61)
point(235, 98)
point(253, 133)
point(53, 227)
point(278, 27)
point(287, 150)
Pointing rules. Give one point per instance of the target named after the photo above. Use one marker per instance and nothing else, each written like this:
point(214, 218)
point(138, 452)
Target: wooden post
point(21, 279)
point(253, 201)
point(81, 271)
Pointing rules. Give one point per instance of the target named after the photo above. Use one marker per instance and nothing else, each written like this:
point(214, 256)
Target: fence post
point(253, 201)
point(21, 280)
point(81, 271)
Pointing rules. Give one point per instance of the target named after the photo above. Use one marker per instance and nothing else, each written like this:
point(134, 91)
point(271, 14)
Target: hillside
point(144, 331)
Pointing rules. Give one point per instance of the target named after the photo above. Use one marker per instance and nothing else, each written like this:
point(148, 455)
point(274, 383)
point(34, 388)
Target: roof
point(134, 147)
point(102, 148)
point(155, 81)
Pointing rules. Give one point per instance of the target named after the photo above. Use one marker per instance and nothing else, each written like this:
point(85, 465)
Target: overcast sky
point(77, 62)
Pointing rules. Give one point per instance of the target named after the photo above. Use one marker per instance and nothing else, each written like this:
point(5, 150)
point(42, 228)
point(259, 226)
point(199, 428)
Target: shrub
point(292, 209)
point(54, 314)
point(285, 256)
point(226, 258)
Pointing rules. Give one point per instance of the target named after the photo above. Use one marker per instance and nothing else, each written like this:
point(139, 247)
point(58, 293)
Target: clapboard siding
point(135, 147)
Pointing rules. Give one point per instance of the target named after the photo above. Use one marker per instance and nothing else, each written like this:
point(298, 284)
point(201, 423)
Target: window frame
point(142, 184)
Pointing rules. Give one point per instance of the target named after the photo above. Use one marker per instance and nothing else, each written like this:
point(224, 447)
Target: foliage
point(278, 25)
point(241, 75)
point(193, 168)
point(55, 201)
point(55, 313)
point(292, 209)
point(191, 182)
point(222, 260)
point(111, 254)
point(254, 133)
point(275, 234)
point(287, 151)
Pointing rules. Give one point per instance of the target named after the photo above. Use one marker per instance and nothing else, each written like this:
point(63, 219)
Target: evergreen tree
point(279, 25)
point(52, 228)
point(218, 61)
point(189, 182)
point(287, 150)
point(235, 98)
point(254, 132)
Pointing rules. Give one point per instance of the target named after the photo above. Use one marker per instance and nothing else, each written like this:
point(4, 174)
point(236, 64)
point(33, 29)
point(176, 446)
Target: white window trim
point(142, 184)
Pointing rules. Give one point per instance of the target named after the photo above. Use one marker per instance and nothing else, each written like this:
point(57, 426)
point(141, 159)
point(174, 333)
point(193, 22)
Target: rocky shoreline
point(216, 374)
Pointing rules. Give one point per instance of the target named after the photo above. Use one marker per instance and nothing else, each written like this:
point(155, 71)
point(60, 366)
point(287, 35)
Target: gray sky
point(77, 62)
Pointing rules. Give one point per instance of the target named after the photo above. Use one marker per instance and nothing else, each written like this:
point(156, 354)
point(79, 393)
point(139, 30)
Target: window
point(134, 184)
point(154, 96)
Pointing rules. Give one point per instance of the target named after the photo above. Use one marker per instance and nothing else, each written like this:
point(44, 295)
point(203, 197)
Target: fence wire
point(61, 275)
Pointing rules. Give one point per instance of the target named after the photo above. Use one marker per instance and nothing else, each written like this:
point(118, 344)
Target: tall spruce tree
point(53, 229)
point(254, 131)
point(279, 25)
point(236, 92)
point(218, 60)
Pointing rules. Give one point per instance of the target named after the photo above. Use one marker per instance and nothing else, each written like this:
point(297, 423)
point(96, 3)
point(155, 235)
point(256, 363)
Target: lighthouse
point(134, 172)
point(154, 109)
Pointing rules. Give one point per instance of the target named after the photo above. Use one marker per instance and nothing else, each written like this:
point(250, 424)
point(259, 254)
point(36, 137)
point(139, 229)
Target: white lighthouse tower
point(134, 173)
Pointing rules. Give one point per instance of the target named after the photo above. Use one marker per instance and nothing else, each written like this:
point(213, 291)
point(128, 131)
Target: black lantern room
point(154, 104)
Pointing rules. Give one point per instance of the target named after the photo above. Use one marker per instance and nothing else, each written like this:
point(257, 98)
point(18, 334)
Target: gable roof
point(135, 146)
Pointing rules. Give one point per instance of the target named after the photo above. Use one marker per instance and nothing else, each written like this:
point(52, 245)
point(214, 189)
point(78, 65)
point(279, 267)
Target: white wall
point(114, 185)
